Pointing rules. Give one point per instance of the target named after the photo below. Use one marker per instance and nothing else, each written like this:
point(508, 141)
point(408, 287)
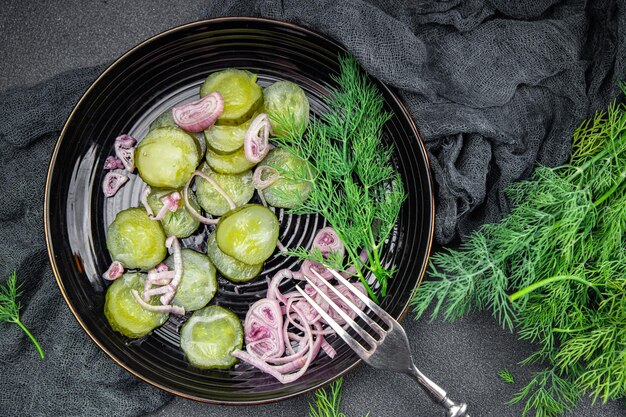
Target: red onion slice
point(115, 271)
point(172, 242)
point(147, 285)
point(113, 163)
point(112, 182)
point(269, 320)
point(309, 266)
point(263, 329)
point(327, 241)
point(256, 142)
point(328, 349)
point(281, 248)
point(273, 291)
point(282, 372)
point(191, 210)
point(352, 269)
point(264, 176)
point(200, 114)
point(163, 308)
point(171, 200)
point(170, 203)
point(156, 291)
point(161, 278)
point(125, 151)
point(144, 201)
point(346, 292)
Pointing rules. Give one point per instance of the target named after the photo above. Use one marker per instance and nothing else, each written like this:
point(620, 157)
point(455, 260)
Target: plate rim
point(53, 161)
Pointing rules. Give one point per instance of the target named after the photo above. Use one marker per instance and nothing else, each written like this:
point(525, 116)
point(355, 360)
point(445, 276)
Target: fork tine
point(349, 303)
point(365, 335)
point(354, 345)
point(372, 305)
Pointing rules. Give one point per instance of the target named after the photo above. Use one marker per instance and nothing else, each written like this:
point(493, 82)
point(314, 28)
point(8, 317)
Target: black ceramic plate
point(164, 71)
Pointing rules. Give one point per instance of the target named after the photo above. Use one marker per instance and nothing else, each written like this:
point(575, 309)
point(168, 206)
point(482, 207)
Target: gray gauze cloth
point(494, 86)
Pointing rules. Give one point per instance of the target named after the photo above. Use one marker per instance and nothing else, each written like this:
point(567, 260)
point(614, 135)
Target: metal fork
point(390, 351)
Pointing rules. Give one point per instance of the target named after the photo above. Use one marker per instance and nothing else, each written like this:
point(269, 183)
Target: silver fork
point(390, 351)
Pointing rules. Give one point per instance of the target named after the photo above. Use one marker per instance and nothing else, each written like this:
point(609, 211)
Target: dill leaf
point(547, 395)
point(355, 186)
point(327, 402)
point(506, 376)
point(10, 308)
point(553, 271)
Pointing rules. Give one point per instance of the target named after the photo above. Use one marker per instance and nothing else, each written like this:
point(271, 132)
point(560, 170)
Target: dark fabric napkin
point(493, 85)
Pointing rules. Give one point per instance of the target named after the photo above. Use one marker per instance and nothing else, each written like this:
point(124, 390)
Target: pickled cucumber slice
point(248, 234)
point(198, 283)
point(166, 119)
point(180, 223)
point(241, 94)
point(232, 163)
point(135, 240)
point(238, 187)
point(124, 313)
point(226, 139)
point(290, 190)
point(210, 336)
point(229, 267)
point(167, 157)
point(287, 106)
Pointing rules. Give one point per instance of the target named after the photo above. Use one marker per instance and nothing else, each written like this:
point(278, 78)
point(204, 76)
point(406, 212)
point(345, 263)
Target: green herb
point(554, 269)
point(10, 308)
point(327, 402)
point(355, 186)
point(506, 376)
point(548, 394)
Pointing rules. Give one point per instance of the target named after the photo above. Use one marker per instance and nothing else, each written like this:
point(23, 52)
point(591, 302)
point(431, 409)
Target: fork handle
point(438, 395)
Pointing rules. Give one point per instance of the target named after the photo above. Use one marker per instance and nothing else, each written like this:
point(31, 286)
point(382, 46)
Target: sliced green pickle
point(135, 240)
point(287, 106)
point(229, 267)
point(179, 223)
point(248, 234)
point(241, 94)
point(167, 157)
point(198, 283)
point(290, 190)
point(238, 187)
point(166, 119)
point(232, 163)
point(210, 336)
point(125, 314)
point(226, 139)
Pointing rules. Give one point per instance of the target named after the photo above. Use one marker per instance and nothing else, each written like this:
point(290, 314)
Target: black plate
point(131, 93)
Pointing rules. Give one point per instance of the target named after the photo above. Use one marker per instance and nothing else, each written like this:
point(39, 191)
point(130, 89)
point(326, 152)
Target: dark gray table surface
point(42, 38)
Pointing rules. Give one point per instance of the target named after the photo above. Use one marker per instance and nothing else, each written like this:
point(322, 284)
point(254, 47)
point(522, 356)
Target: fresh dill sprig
point(548, 395)
point(355, 186)
point(331, 260)
point(506, 376)
point(553, 270)
point(10, 308)
point(327, 402)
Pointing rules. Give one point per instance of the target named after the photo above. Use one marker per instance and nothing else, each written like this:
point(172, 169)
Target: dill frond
point(506, 376)
point(553, 271)
point(327, 402)
point(355, 186)
point(10, 308)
